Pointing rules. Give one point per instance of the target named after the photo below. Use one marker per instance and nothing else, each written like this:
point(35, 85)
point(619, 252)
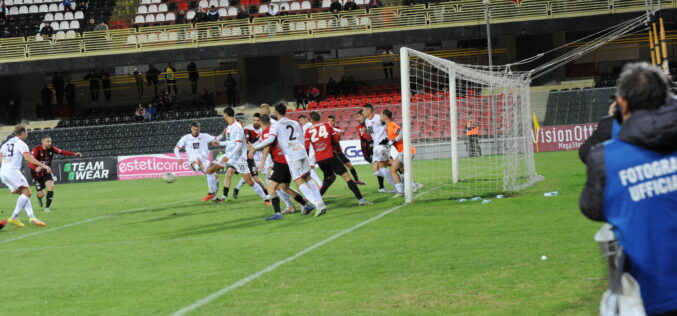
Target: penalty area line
point(93, 219)
point(206, 300)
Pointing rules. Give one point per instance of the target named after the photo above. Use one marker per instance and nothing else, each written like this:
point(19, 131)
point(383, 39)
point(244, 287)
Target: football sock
point(316, 191)
point(326, 184)
point(240, 184)
point(315, 177)
point(399, 187)
point(308, 193)
point(285, 198)
point(212, 183)
point(380, 182)
point(50, 196)
point(20, 204)
point(353, 187)
point(225, 191)
point(28, 207)
point(257, 188)
point(298, 198)
point(265, 190)
point(387, 176)
point(276, 204)
point(354, 173)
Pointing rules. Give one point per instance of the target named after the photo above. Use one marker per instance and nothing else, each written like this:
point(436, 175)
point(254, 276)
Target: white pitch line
point(206, 300)
point(39, 232)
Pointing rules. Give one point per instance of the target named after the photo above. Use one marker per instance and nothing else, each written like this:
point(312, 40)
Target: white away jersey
point(12, 153)
point(195, 146)
point(235, 141)
point(375, 129)
point(289, 138)
point(306, 127)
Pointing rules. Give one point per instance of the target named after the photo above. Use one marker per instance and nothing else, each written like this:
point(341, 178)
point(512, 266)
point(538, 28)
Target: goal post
point(466, 128)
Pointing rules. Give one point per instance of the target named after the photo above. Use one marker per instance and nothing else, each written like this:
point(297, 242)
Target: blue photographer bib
point(640, 201)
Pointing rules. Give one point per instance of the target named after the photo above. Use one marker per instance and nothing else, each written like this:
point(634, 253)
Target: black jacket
point(600, 135)
point(653, 130)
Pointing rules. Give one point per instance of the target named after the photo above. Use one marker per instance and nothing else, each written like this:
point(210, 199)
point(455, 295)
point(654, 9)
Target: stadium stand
point(577, 106)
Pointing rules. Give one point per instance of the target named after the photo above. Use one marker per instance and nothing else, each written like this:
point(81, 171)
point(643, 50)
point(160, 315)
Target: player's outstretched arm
point(35, 167)
point(64, 152)
point(267, 142)
point(34, 161)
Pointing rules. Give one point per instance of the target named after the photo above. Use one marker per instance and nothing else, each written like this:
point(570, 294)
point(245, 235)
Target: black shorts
point(40, 181)
point(280, 173)
point(341, 157)
point(332, 166)
point(252, 167)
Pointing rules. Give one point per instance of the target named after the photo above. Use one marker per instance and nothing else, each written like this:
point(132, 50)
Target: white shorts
point(196, 166)
point(240, 166)
point(299, 168)
point(14, 180)
point(311, 157)
point(381, 153)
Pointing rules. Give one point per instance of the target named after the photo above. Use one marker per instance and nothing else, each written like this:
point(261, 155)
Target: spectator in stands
point(351, 85)
point(106, 84)
point(81, 5)
point(153, 77)
point(388, 61)
point(46, 94)
point(283, 11)
point(313, 93)
point(206, 99)
point(101, 27)
point(200, 16)
point(316, 4)
point(67, 5)
point(242, 13)
point(170, 77)
point(213, 14)
point(90, 26)
point(630, 184)
point(140, 113)
point(46, 31)
point(301, 98)
point(230, 84)
point(374, 4)
point(58, 85)
point(181, 17)
point(93, 84)
point(335, 6)
point(150, 113)
point(332, 87)
point(12, 110)
point(350, 5)
point(70, 96)
point(253, 10)
point(3, 10)
point(193, 76)
point(138, 81)
point(272, 10)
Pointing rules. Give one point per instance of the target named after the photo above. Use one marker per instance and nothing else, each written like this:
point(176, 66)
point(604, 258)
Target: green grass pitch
point(151, 248)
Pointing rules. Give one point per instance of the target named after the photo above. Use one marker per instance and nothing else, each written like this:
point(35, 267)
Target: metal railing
point(301, 26)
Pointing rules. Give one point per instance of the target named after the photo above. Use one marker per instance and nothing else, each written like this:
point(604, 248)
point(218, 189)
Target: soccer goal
point(470, 128)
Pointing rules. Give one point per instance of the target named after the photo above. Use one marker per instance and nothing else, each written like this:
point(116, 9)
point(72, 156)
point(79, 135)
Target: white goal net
point(470, 127)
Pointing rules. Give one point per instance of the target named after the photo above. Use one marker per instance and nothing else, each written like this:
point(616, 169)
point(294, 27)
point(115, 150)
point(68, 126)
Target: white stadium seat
point(33, 9)
point(232, 11)
point(160, 17)
point(190, 15)
point(139, 19)
point(60, 7)
point(49, 17)
point(263, 8)
point(79, 15)
point(23, 9)
point(10, 3)
point(162, 7)
point(57, 16)
point(71, 34)
point(223, 3)
point(14, 10)
point(204, 4)
point(43, 8)
point(68, 16)
point(75, 24)
point(152, 8)
point(64, 25)
point(53, 8)
point(284, 6)
point(326, 3)
point(295, 6)
point(170, 16)
point(214, 3)
point(223, 12)
point(55, 25)
point(150, 18)
point(142, 9)
point(60, 35)
point(145, 1)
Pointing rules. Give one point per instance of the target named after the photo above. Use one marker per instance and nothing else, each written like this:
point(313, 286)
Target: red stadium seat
point(323, 104)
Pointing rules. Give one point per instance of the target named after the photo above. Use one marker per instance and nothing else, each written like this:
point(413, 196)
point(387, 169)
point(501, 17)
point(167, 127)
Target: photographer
point(632, 184)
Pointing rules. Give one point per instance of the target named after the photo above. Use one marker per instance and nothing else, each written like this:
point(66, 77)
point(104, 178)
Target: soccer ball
point(169, 177)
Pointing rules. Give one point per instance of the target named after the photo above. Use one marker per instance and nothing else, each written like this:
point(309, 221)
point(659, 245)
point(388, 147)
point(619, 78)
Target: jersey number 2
point(291, 133)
